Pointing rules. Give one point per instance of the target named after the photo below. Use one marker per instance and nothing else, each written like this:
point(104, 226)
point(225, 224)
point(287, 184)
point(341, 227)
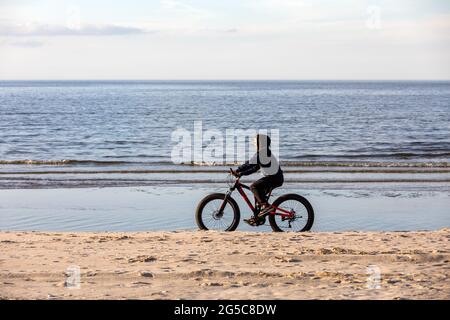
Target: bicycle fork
point(224, 203)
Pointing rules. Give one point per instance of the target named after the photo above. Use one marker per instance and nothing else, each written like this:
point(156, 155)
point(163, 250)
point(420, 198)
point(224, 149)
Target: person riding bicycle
point(268, 165)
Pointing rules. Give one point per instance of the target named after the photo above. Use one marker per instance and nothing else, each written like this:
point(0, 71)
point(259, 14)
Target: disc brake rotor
point(217, 215)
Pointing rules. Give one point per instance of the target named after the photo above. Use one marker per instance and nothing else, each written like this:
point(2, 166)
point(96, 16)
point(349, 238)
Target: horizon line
point(206, 79)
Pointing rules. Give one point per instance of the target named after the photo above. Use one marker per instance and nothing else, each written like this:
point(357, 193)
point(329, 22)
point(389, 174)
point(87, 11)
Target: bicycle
point(219, 211)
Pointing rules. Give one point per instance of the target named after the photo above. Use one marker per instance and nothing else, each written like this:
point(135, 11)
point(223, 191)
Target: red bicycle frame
point(240, 186)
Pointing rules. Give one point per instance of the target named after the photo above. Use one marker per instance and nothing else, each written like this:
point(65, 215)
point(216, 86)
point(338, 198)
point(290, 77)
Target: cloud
point(181, 17)
point(231, 30)
point(26, 43)
point(34, 29)
point(185, 9)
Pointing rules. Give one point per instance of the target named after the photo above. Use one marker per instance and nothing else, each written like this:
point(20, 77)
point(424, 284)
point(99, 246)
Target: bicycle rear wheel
point(303, 214)
point(208, 216)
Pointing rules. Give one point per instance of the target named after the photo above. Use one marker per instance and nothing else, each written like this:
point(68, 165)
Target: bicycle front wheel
point(208, 216)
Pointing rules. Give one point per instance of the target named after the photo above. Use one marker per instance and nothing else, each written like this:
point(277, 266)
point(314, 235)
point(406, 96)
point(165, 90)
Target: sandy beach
point(237, 265)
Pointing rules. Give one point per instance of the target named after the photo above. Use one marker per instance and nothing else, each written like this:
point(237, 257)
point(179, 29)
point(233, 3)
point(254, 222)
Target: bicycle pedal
point(255, 221)
point(251, 222)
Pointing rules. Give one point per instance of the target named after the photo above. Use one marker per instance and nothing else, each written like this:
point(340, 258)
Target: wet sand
point(237, 265)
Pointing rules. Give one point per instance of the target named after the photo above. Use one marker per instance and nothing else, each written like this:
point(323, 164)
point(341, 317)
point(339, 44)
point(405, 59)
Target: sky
point(232, 39)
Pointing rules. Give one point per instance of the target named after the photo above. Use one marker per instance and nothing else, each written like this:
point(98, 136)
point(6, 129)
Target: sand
point(236, 265)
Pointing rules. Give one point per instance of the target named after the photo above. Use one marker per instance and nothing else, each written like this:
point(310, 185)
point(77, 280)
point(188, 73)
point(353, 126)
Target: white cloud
point(36, 29)
point(26, 43)
point(184, 8)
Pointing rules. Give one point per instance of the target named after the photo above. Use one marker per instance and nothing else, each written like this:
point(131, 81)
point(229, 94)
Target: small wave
point(219, 170)
point(366, 164)
point(436, 154)
point(60, 162)
point(37, 183)
point(104, 172)
point(285, 163)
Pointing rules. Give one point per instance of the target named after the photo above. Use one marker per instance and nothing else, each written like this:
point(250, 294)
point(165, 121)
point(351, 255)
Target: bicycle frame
point(240, 188)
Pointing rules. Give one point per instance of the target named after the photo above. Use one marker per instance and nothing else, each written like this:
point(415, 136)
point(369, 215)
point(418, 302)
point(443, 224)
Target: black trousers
point(261, 187)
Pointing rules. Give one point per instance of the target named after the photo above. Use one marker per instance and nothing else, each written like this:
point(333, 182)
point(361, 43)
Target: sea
point(98, 155)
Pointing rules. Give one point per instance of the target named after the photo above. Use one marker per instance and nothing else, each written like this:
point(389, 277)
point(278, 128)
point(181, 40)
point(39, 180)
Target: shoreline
point(235, 265)
point(60, 174)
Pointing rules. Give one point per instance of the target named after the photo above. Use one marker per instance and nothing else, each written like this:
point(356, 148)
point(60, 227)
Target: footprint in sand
point(141, 283)
point(7, 241)
point(119, 272)
point(187, 260)
point(142, 258)
point(123, 238)
point(160, 293)
point(211, 284)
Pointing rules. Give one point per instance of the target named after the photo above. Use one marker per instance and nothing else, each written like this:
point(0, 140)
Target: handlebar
point(234, 174)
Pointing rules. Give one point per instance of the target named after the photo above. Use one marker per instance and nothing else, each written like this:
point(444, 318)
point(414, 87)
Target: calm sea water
point(132, 121)
point(368, 155)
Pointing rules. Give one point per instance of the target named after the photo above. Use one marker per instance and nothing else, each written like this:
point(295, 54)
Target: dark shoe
point(255, 221)
point(251, 221)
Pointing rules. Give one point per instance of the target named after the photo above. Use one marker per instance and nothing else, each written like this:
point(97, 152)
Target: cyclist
point(269, 167)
